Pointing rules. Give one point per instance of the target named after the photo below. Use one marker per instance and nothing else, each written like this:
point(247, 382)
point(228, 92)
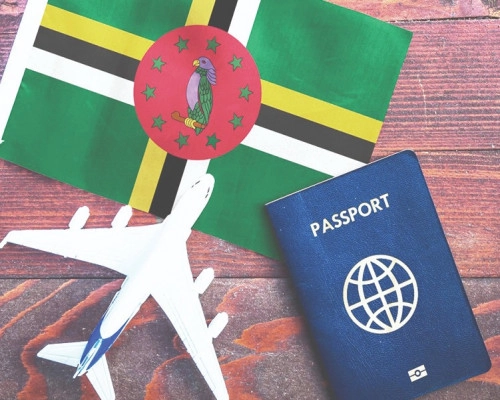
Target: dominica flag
point(304, 83)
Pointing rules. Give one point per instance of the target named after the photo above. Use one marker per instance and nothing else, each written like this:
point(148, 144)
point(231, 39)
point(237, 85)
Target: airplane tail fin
point(70, 354)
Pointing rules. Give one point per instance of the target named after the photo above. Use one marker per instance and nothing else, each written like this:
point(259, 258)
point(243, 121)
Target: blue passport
point(378, 284)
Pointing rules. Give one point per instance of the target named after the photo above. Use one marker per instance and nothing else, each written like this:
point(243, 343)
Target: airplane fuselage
point(122, 309)
point(134, 291)
point(155, 262)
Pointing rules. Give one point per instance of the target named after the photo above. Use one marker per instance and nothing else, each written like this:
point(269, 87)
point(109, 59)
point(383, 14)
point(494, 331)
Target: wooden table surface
point(446, 107)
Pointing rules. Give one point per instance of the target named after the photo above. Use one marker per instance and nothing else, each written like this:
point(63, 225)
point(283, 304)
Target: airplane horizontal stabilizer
point(64, 353)
point(70, 354)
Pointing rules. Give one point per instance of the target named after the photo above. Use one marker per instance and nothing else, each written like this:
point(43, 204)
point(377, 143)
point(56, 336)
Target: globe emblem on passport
point(380, 294)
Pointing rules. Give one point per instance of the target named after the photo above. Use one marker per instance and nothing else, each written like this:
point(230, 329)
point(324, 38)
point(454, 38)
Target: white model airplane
point(154, 260)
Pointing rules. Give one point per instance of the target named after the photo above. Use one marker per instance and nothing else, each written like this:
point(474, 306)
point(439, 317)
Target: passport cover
point(378, 284)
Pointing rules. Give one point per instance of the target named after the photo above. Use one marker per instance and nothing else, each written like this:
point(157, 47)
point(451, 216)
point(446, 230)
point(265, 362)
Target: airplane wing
point(177, 296)
point(114, 248)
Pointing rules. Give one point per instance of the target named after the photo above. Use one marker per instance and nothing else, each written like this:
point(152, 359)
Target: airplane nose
point(206, 183)
point(191, 204)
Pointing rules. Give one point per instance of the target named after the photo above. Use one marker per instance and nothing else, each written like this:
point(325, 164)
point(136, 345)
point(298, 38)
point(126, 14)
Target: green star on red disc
point(212, 141)
point(149, 92)
point(236, 121)
point(158, 63)
point(236, 62)
point(182, 44)
point(211, 85)
point(245, 92)
point(158, 122)
point(182, 140)
point(213, 44)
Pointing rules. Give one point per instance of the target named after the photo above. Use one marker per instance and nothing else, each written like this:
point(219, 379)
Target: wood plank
point(386, 10)
point(463, 186)
point(12, 7)
point(32, 201)
point(448, 93)
point(8, 29)
point(396, 10)
point(265, 351)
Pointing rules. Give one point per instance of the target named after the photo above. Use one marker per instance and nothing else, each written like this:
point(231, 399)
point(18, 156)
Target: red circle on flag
point(197, 92)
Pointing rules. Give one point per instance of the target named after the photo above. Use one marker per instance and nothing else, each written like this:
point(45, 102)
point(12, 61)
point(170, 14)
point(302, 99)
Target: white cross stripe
point(19, 54)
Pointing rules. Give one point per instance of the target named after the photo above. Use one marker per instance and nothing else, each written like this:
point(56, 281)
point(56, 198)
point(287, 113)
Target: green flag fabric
point(67, 109)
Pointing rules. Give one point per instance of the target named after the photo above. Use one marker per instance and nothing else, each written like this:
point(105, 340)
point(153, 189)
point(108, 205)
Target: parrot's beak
point(196, 63)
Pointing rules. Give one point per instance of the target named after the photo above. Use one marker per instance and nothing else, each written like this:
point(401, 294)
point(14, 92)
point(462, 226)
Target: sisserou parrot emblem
point(199, 93)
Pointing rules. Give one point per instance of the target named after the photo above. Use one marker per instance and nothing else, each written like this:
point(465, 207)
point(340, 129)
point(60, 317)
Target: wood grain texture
point(446, 106)
point(448, 94)
point(388, 10)
point(462, 184)
point(264, 352)
point(394, 10)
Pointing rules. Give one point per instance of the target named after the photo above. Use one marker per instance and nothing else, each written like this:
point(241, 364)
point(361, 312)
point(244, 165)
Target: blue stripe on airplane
point(106, 343)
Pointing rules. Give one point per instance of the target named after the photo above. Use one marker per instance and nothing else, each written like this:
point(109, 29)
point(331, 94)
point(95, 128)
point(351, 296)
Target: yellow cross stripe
point(200, 12)
point(94, 32)
point(147, 177)
point(154, 157)
point(320, 111)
